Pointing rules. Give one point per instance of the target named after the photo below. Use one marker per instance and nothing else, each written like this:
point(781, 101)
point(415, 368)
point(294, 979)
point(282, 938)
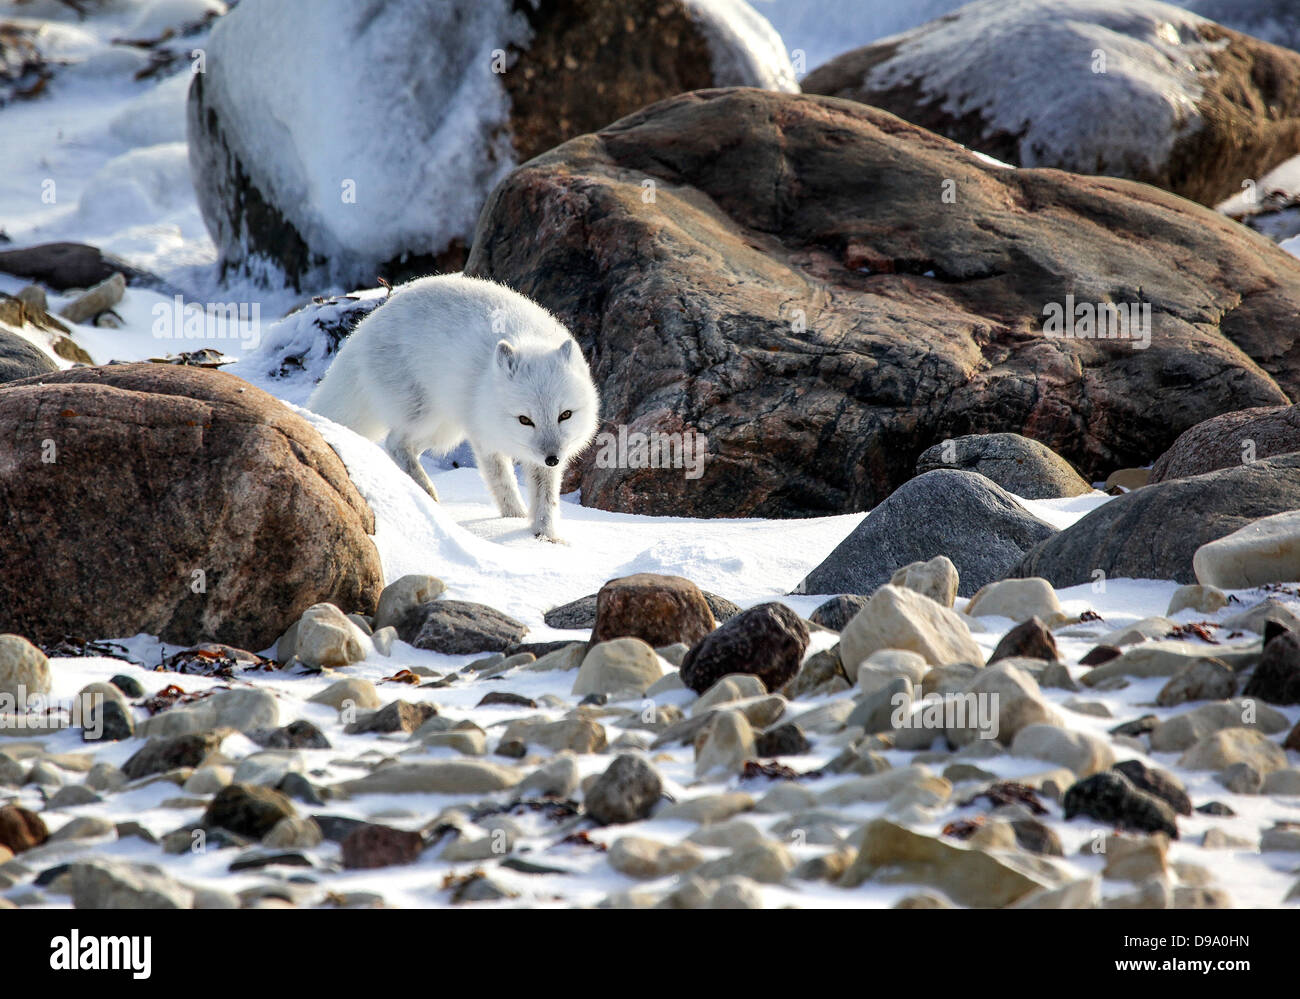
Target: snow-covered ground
point(113, 150)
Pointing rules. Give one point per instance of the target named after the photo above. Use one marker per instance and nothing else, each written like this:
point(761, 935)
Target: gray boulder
point(1017, 464)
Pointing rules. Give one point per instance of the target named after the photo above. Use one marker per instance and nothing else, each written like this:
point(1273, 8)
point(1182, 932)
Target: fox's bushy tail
point(342, 397)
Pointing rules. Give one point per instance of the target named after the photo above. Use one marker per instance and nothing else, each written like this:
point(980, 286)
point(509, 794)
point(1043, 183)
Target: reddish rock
point(179, 501)
point(659, 610)
point(373, 845)
point(20, 829)
point(1230, 439)
point(801, 295)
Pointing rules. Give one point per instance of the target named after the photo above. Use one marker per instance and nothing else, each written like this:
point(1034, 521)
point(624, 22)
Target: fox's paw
point(514, 510)
point(550, 536)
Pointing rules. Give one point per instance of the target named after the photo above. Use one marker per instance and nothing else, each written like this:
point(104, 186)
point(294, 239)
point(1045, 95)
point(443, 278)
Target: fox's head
point(550, 406)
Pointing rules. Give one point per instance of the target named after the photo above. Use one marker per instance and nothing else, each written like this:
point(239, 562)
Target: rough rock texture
point(1110, 797)
point(1264, 551)
point(1229, 440)
point(459, 627)
point(1131, 537)
point(767, 641)
point(1017, 464)
point(659, 610)
point(465, 90)
point(983, 530)
point(181, 502)
point(1208, 106)
point(823, 317)
point(626, 792)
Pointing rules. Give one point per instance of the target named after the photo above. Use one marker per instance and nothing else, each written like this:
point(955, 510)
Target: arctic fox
point(451, 358)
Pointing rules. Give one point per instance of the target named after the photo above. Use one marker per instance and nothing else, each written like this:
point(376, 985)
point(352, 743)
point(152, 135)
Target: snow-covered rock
point(370, 144)
point(1137, 89)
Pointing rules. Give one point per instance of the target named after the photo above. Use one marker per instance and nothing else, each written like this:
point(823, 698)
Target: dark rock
point(768, 641)
point(723, 609)
point(784, 740)
point(507, 698)
point(300, 734)
point(458, 627)
point(983, 530)
point(246, 810)
point(833, 317)
point(838, 611)
point(659, 610)
point(1129, 536)
point(1203, 679)
point(258, 860)
point(1031, 639)
point(296, 532)
point(396, 716)
point(337, 828)
point(1161, 783)
point(818, 669)
point(128, 685)
point(1230, 440)
point(21, 359)
point(599, 700)
point(1216, 808)
point(627, 791)
point(515, 749)
point(70, 265)
point(299, 788)
point(1137, 727)
point(1277, 677)
point(159, 755)
point(1292, 741)
point(371, 845)
point(1017, 464)
point(949, 75)
point(1099, 654)
point(21, 829)
point(539, 649)
point(108, 721)
point(1036, 837)
point(1109, 797)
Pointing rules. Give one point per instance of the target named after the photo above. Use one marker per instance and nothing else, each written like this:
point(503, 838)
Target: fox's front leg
point(544, 491)
point(407, 457)
point(498, 472)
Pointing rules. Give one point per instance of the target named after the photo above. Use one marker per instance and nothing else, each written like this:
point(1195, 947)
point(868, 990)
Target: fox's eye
point(565, 415)
point(525, 421)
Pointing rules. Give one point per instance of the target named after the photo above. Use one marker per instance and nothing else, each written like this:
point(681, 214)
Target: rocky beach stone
point(403, 595)
point(160, 755)
point(1183, 731)
point(436, 777)
point(1129, 536)
point(24, 671)
point(1018, 599)
point(327, 638)
point(578, 735)
point(179, 436)
point(103, 883)
point(459, 627)
point(645, 859)
point(1083, 753)
point(1160, 783)
point(1277, 677)
point(1223, 440)
point(659, 610)
point(396, 716)
point(20, 358)
point(898, 618)
point(1220, 750)
point(21, 829)
point(243, 709)
point(372, 845)
point(619, 666)
point(836, 612)
point(768, 641)
point(1194, 596)
point(1030, 639)
point(247, 810)
point(936, 579)
point(984, 533)
point(627, 791)
point(350, 693)
point(1109, 797)
point(724, 744)
point(1017, 464)
point(1264, 551)
point(972, 877)
point(1205, 679)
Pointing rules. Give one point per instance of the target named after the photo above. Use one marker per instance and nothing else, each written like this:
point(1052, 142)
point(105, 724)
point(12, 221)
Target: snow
point(746, 50)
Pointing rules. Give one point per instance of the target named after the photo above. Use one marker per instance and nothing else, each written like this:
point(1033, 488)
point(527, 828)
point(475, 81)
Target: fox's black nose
point(552, 460)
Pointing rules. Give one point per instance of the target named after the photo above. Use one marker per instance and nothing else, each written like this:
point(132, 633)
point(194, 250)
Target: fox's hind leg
point(498, 472)
point(406, 455)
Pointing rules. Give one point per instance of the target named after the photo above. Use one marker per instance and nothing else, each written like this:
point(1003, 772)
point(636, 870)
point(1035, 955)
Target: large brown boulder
point(1230, 439)
point(1139, 90)
point(784, 275)
point(176, 501)
point(368, 146)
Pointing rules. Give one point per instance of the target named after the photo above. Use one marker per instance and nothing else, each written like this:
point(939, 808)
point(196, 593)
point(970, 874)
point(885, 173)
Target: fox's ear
point(566, 351)
point(507, 358)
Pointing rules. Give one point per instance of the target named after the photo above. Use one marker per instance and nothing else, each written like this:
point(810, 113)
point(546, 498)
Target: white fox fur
point(453, 358)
